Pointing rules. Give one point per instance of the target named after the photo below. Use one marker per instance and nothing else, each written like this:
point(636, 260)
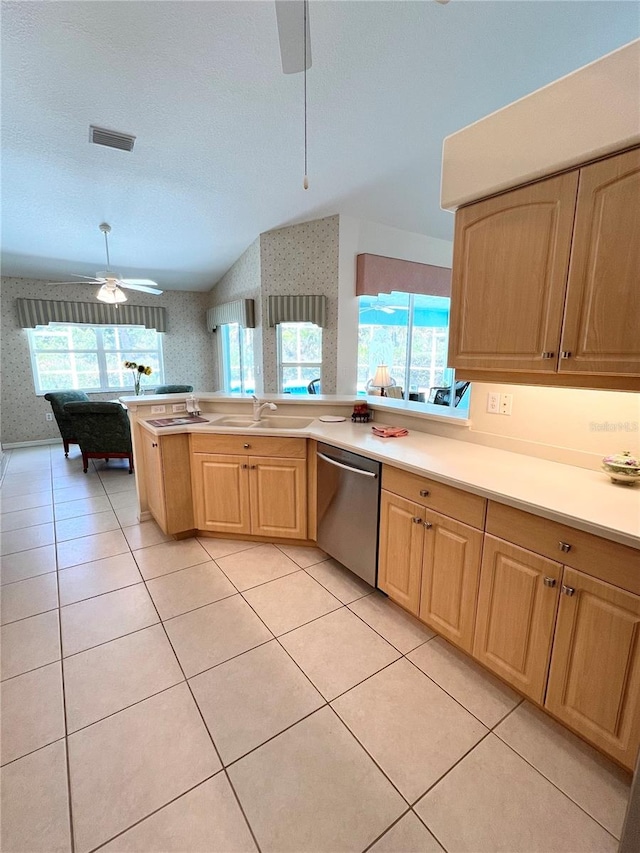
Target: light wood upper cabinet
point(601, 331)
point(246, 494)
point(511, 255)
point(546, 281)
point(516, 615)
point(594, 682)
point(450, 571)
point(400, 555)
point(167, 480)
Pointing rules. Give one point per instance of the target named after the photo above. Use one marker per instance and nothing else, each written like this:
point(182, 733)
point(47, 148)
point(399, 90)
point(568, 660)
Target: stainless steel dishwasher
point(348, 509)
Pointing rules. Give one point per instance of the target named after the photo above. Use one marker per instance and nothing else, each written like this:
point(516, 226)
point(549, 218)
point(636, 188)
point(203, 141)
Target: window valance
point(297, 309)
point(241, 311)
point(41, 312)
point(377, 274)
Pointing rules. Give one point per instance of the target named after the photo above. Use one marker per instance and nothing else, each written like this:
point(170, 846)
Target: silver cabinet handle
point(565, 354)
point(548, 354)
point(565, 547)
point(568, 590)
point(416, 520)
point(253, 467)
point(424, 493)
point(551, 582)
point(246, 446)
point(428, 525)
point(154, 444)
point(244, 466)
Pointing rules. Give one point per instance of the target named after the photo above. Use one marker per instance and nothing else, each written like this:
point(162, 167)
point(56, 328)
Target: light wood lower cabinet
point(167, 480)
point(400, 553)
point(429, 564)
point(517, 606)
point(450, 571)
point(257, 495)
point(594, 682)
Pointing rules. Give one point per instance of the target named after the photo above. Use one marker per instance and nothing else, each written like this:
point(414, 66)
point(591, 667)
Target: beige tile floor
point(215, 695)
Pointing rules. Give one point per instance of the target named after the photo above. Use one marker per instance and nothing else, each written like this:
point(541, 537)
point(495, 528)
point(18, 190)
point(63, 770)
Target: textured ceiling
point(218, 156)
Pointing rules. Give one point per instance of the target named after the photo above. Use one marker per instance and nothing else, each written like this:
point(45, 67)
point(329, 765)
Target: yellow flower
point(148, 371)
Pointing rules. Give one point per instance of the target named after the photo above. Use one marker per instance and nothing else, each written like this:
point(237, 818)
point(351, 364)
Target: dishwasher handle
point(347, 467)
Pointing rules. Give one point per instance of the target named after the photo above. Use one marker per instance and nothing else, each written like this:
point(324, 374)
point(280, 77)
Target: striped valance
point(41, 312)
point(297, 309)
point(241, 311)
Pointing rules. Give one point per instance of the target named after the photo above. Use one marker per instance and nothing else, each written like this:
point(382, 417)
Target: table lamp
point(382, 379)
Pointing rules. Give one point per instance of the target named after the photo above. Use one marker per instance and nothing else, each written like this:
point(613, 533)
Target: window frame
point(409, 365)
point(243, 358)
point(100, 353)
point(282, 364)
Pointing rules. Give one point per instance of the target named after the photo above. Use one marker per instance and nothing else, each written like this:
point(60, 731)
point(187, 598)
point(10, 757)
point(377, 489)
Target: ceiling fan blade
point(89, 281)
point(290, 17)
point(143, 288)
point(146, 282)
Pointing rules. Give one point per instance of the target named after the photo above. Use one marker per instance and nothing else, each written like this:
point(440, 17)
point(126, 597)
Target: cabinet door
point(450, 571)
point(278, 489)
point(516, 613)
point(602, 318)
point(400, 553)
point(594, 683)
point(153, 477)
point(221, 493)
point(510, 262)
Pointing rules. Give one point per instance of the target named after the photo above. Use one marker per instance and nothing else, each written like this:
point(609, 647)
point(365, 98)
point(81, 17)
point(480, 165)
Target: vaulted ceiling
point(219, 127)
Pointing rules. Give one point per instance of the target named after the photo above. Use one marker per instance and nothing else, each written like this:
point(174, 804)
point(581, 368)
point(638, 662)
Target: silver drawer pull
point(565, 547)
point(550, 582)
point(246, 446)
point(568, 590)
point(548, 354)
point(565, 354)
point(424, 493)
point(416, 520)
point(428, 525)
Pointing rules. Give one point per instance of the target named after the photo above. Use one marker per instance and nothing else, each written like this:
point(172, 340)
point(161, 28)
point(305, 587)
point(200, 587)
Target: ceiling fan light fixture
point(111, 295)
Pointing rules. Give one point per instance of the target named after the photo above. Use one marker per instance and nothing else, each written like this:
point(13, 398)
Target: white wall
point(358, 236)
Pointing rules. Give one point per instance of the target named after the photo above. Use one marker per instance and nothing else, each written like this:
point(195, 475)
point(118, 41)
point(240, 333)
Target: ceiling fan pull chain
point(305, 4)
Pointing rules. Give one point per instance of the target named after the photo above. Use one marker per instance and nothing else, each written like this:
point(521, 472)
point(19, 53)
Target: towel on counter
point(389, 432)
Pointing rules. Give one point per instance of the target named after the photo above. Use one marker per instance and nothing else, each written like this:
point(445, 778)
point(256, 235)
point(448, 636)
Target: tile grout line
point(204, 723)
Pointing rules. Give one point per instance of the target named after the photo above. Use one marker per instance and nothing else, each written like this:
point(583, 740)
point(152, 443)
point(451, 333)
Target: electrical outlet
point(158, 410)
point(179, 407)
point(48, 416)
point(506, 403)
point(493, 402)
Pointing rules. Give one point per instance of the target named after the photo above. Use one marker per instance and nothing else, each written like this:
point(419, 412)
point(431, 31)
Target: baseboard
point(40, 442)
point(145, 516)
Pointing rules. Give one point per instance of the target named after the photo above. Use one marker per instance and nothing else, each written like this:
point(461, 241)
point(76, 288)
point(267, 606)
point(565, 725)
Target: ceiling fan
point(111, 283)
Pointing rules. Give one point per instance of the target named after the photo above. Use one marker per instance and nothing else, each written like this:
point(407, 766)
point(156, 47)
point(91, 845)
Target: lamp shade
point(111, 295)
point(382, 378)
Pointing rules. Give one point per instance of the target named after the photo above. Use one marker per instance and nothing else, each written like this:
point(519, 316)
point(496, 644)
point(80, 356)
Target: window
point(299, 356)
point(236, 351)
point(91, 358)
point(409, 333)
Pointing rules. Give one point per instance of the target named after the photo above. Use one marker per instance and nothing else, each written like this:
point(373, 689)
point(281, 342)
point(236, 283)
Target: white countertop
point(581, 498)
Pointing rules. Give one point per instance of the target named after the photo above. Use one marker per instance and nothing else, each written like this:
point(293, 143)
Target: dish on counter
point(622, 467)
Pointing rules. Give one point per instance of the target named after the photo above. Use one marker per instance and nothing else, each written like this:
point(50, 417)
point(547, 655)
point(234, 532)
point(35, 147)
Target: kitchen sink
point(271, 422)
point(234, 421)
point(283, 422)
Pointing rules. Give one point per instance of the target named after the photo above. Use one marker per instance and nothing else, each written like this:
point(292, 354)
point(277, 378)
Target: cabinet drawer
point(261, 445)
point(617, 564)
point(429, 493)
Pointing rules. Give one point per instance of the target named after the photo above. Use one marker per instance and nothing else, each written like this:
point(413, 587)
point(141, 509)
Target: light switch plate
point(158, 410)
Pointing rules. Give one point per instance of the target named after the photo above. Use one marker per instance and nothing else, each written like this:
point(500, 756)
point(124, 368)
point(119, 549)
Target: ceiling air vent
point(111, 138)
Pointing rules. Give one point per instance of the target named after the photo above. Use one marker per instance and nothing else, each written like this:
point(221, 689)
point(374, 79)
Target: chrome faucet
point(259, 407)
